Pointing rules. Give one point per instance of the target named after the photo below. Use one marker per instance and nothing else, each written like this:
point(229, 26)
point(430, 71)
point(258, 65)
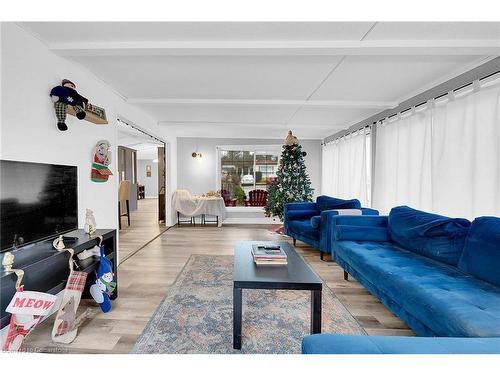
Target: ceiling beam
point(266, 102)
point(210, 124)
point(276, 48)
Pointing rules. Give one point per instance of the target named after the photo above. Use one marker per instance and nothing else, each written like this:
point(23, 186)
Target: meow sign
point(31, 303)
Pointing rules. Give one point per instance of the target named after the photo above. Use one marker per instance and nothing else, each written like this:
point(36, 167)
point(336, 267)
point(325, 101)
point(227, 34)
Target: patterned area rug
point(196, 315)
point(277, 228)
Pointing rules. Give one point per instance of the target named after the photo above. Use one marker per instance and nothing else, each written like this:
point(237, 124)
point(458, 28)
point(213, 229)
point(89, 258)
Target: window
point(242, 169)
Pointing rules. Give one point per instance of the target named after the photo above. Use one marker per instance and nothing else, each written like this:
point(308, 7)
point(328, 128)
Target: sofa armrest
point(295, 206)
point(369, 211)
point(330, 219)
point(328, 343)
point(361, 233)
point(327, 221)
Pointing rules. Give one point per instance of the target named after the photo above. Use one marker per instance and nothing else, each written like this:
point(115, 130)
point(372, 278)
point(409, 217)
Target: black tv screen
point(37, 201)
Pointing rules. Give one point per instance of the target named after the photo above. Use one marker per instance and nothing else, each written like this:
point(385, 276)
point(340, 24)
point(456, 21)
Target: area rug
point(196, 315)
point(277, 228)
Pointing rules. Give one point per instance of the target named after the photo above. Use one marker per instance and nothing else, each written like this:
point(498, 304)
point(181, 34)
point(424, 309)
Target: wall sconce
point(196, 155)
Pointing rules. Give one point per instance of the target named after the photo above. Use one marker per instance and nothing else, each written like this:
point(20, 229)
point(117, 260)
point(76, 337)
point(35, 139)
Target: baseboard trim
point(252, 220)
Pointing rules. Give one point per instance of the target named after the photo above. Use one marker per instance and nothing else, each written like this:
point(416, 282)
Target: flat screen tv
point(37, 202)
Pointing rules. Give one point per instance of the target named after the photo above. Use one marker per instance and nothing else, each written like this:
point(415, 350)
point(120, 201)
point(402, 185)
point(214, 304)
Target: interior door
point(161, 184)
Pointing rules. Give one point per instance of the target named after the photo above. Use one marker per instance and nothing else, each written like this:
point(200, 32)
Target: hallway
point(144, 227)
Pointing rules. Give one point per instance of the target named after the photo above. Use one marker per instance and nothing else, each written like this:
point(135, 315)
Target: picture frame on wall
point(148, 170)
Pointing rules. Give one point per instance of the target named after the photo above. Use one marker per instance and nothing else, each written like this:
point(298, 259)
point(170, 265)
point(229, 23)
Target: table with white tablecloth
point(191, 206)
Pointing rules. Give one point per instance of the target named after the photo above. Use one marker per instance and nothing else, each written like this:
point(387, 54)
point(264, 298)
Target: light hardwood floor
point(143, 227)
point(145, 277)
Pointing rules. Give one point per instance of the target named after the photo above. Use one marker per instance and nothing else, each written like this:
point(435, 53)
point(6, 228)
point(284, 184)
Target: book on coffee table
point(270, 262)
point(268, 254)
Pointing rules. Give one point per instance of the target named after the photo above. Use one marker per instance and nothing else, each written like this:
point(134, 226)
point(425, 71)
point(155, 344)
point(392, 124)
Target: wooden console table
point(46, 269)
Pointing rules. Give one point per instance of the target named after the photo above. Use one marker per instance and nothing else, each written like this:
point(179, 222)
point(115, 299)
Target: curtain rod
point(481, 72)
point(324, 142)
point(140, 130)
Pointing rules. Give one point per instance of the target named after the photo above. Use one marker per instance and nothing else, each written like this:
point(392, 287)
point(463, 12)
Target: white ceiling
point(261, 79)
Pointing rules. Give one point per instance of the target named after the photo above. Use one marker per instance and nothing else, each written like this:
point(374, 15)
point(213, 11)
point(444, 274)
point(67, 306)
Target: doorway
point(142, 182)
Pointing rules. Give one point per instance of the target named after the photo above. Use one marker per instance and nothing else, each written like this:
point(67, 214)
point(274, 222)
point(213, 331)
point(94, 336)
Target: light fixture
point(196, 154)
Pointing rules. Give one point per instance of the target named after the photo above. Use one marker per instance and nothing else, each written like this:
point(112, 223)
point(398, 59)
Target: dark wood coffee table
point(296, 275)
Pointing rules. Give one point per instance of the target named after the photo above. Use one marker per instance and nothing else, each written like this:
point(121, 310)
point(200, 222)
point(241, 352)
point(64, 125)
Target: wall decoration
point(148, 171)
point(101, 162)
point(67, 101)
point(66, 95)
point(90, 224)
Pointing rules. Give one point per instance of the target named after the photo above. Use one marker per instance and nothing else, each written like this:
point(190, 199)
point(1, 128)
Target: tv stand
point(46, 269)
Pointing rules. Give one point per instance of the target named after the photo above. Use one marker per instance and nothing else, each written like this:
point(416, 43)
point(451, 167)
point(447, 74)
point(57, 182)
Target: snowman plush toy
point(103, 285)
point(65, 95)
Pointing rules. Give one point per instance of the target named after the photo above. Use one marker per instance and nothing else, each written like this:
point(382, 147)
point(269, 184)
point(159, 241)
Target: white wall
point(150, 183)
point(199, 175)
point(29, 133)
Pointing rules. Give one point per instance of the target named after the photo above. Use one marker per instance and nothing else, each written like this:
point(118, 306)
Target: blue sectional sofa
point(345, 344)
point(438, 274)
point(312, 222)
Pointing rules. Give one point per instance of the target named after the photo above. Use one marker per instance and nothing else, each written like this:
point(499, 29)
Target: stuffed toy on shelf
point(65, 95)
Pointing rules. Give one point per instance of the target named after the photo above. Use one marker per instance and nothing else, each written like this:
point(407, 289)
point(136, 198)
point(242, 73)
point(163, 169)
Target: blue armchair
point(312, 223)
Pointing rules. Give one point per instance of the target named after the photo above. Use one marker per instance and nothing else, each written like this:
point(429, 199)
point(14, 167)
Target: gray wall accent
point(199, 175)
point(150, 183)
point(482, 71)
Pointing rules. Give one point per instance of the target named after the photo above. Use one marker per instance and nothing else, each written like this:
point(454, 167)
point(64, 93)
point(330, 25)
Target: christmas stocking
point(103, 284)
point(65, 326)
point(27, 309)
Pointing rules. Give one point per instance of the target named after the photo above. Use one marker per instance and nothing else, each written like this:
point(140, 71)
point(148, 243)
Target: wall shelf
point(91, 117)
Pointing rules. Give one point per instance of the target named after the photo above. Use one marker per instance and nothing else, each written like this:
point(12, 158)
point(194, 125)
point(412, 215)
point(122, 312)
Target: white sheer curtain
point(445, 159)
point(346, 169)
point(466, 155)
point(403, 163)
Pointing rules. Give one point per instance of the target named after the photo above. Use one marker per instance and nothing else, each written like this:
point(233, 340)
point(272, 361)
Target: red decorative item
point(257, 198)
point(101, 161)
point(27, 309)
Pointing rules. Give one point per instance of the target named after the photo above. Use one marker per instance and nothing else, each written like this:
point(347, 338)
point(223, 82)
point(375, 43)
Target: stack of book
point(268, 255)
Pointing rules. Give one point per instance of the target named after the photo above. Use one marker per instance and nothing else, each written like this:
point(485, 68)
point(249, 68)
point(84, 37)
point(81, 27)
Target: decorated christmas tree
point(292, 183)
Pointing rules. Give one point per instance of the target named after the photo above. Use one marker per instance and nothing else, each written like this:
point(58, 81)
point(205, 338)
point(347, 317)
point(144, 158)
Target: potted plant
point(239, 195)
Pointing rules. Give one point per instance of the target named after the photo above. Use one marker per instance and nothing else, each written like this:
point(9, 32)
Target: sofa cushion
point(301, 214)
point(304, 228)
point(481, 256)
point(434, 236)
point(316, 221)
point(361, 233)
point(440, 296)
point(324, 202)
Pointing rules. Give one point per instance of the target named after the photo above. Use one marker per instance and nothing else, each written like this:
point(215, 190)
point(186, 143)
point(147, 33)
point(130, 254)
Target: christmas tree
point(292, 183)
